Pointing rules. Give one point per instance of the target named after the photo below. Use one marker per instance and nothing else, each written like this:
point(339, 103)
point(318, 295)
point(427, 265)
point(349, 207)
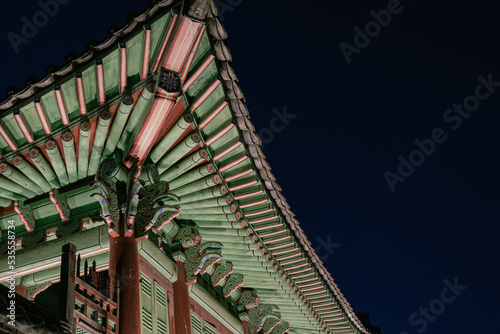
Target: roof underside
point(55, 133)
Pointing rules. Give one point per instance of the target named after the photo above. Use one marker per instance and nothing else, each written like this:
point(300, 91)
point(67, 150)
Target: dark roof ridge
point(197, 9)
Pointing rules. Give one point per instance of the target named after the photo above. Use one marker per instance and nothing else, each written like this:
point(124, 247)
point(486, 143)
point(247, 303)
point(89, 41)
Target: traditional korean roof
point(161, 90)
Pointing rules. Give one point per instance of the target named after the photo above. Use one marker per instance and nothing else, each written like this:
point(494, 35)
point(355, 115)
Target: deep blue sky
point(352, 122)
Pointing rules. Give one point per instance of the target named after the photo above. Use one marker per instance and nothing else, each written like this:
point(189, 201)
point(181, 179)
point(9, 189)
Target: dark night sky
point(352, 122)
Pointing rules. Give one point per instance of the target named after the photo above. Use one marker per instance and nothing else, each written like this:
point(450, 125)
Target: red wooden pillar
point(171, 313)
point(182, 314)
point(22, 290)
point(124, 266)
point(67, 288)
point(246, 328)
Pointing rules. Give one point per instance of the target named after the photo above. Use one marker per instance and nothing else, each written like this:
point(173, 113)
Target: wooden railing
point(97, 313)
point(88, 301)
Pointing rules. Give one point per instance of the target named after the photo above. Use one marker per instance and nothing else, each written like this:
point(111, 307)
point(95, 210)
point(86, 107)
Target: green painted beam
point(29, 171)
point(231, 156)
point(137, 118)
point(17, 177)
point(229, 137)
point(119, 121)
point(192, 176)
point(68, 144)
point(84, 149)
point(5, 202)
point(10, 195)
point(44, 167)
point(207, 203)
point(57, 161)
point(9, 186)
point(184, 165)
point(244, 243)
point(216, 210)
point(221, 232)
point(46, 209)
point(47, 275)
point(206, 182)
point(171, 137)
point(48, 253)
point(101, 131)
point(228, 217)
point(43, 210)
point(179, 151)
point(204, 194)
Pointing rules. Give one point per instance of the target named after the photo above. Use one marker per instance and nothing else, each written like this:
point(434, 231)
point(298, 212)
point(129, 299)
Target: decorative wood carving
point(221, 272)
point(249, 299)
point(188, 237)
point(232, 283)
point(270, 323)
point(143, 206)
point(25, 213)
point(259, 318)
point(281, 328)
point(61, 203)
point(198, 256)
point(169, 81)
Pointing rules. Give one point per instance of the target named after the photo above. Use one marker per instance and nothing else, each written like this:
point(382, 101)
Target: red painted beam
point(7, 138)
point(165, 43)
point(123, 67)
point(60, 105)
point(183, 42)
point(146, 51)
point(41, 116)
point(81, 94)
point(101, 92)
point(24, 128)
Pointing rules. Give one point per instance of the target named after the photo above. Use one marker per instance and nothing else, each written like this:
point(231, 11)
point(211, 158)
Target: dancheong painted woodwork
point(137, 190)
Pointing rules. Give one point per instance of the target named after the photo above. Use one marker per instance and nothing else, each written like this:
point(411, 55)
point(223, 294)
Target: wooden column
point(125, 229)
point(171, 312)
point(124, 266)
point(22, 290)
point(246, 328)
point(182, 314)
point(244, 320)
point(67, 292)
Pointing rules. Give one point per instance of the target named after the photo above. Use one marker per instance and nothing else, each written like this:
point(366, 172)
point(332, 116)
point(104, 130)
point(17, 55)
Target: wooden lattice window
point(199, 326)
point(154, 307)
